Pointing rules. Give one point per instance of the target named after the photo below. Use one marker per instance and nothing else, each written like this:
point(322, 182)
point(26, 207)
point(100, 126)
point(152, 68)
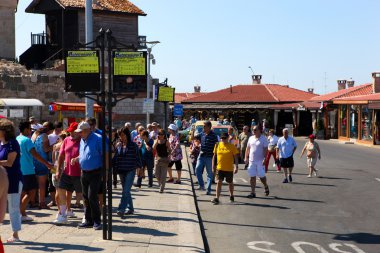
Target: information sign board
point(129, 63)
point(178, 110)
point(165, 94)
point(82, 71)
point(148, 106)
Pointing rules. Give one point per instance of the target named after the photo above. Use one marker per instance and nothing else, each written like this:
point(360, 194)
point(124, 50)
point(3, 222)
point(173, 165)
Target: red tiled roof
point(265, 93)
point(363, 89)
point(101, 5)
point(180, 96)
point(369, 97)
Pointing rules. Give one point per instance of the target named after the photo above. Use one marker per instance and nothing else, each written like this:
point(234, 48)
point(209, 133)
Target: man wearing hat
point(68, 174)
point(91, 162)
point(153, 134)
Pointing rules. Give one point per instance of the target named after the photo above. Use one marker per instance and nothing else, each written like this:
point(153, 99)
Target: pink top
point(70, 148)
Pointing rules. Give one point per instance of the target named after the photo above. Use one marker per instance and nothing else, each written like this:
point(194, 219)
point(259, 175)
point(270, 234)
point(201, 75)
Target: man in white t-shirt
point(286, 146)
point(54, 136)
point(255, 155)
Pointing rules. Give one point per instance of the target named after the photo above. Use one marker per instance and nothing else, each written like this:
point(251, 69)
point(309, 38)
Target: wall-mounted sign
point(82, 71)
point(148, 106)
point(16, 113)
point(178, 110)
point(4, 112)
point(165, 94)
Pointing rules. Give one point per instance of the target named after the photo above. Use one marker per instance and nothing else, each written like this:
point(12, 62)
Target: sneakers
point(252, 195)
point(120, 213)
point(170, 180)
point(232, 199)
point(215, 201)
point(285, 181)
point(208, 193)
point(129, 212)
point(309, 176)
point(60, 220)
point(290, 178)
point(70, 214)
point(177, 182)
point(316, 173)
point(97, 226)
point(85, 225)
point(26, 218)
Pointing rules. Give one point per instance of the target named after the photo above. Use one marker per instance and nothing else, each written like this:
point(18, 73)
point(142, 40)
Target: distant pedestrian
point(312, 153)
point(153, 134)
point(147, 158)
point(208, 141)
point(126, 160)
point(286, 146)
point(195, 149)
point(10, 160)
point(272, 144)
point(68, 174)
point(175, 155)
point(255, 154)
point(243, 140)
point(225, 156)
point(91, 162)
point(135, 132)
point(161, 147)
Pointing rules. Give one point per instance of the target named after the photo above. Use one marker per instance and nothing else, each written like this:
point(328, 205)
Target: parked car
point(197, 127)
point(184, 134)
point(219, 129)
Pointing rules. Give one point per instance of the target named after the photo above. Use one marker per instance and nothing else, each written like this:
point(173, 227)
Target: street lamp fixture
point(149, 57)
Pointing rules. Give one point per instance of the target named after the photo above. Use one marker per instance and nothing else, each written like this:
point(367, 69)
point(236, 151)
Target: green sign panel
point(165, 94)
point(82, 62)
point(129, 63)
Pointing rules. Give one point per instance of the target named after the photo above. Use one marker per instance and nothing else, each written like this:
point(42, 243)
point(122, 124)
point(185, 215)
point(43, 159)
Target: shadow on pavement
point(328, 185)
point(298, 200)
point(362, 238)
point(337, 178)
point(159, 210)
point(54, 247)
point(140, 230)
point(161, 218)
point(238, 203)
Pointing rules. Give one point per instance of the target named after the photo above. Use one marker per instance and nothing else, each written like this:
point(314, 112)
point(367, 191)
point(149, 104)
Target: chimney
point(376, 82)
point(256, 79)
point(7, 29)
point(230, 88)
point(197, 89)
point(310, 90)
point(341, 84)
point(350, 83)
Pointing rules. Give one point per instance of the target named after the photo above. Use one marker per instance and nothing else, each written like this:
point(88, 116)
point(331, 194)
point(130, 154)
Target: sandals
point(13, 240)
point(266, 191)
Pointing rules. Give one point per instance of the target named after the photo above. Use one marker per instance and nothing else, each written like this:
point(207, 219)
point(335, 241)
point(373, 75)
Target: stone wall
point(7, 28)
point(48, 86)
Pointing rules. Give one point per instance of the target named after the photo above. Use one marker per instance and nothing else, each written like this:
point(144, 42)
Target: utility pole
point(89, 38)
point(149, 49)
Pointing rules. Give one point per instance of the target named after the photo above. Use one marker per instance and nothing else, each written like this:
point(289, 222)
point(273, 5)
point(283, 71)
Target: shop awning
point(20, 102)
point(73, 107)
point(225, 106)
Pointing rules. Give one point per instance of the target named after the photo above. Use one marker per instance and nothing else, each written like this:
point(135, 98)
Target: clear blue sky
point(212, 43)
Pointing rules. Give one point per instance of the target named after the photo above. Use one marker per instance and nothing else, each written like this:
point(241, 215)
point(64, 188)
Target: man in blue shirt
point(91, 162)
point(208, 140)
point(286, 146)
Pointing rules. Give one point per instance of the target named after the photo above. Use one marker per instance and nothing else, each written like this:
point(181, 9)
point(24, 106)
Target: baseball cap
point(154, 124)
point(73, 126)
point(82, 126)
point(173, 127)
point(31, 118)
point(311, 136)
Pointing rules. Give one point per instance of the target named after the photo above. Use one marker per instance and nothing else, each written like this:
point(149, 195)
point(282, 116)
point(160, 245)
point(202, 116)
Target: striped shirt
point(208, 142)
point(127, 158)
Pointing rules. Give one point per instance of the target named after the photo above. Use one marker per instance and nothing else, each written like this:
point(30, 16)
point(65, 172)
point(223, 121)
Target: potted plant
point(320, 129)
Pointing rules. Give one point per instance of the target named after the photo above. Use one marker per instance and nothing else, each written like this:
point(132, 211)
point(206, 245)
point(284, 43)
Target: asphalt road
point(337, 212)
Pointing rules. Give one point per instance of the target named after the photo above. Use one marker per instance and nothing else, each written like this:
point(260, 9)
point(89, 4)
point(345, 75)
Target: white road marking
point(378, 179)
point(242, 179)
point(234, 180)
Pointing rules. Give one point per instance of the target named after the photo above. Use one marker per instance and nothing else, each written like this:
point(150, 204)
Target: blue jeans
point(149, 166)
point(201, 163)
point(126, 179)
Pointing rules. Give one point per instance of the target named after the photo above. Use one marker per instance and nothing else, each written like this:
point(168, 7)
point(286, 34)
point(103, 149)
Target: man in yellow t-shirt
point(225, 155)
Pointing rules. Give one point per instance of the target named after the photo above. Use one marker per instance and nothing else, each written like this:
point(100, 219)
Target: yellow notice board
point(129, 63)
point(82, 62)
point(165, 94)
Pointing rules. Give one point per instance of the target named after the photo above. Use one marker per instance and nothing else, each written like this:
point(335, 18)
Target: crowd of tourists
point(45, 159)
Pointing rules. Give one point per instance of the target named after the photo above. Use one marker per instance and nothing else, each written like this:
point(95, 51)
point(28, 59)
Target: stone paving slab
point(165, 222)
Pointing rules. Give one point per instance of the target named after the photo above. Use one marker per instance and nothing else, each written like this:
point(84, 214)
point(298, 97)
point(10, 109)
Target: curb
point(201, 226)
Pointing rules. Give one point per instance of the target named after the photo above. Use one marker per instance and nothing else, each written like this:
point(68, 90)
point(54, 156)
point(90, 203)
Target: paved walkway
point(162, 223)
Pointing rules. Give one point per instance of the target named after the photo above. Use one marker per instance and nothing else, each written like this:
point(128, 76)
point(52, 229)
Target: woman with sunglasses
point(162, 148)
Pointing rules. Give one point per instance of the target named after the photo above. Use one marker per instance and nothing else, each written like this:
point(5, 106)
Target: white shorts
point(311, 161)
point(256, 169)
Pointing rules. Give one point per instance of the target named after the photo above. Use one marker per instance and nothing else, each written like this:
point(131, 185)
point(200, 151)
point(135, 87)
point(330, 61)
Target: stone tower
point(7, 28)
